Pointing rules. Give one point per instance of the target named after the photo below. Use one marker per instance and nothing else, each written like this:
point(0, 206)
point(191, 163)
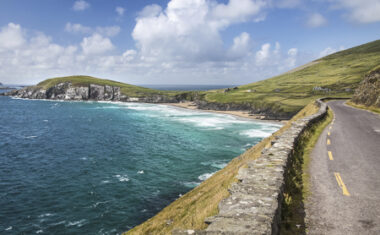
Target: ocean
point(103, 168)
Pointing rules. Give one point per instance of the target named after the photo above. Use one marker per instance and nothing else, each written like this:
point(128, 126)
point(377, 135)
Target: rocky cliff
point(66, 91)
point(368, 92)
point(269, 112)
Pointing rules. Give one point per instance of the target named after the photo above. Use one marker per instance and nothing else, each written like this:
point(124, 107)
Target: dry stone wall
point(254, 204)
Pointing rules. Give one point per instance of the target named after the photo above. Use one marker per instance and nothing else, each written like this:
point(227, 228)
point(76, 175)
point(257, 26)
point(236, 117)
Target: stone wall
point(254, 204)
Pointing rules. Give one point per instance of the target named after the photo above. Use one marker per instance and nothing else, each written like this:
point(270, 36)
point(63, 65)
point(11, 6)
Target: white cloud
point(237, 10)
point(287, 3)
point(129, 55)
point(189, 30)
point(292, 57)
point(150, 11)
point(263, 54)
point(96, 44)
point(330, 50)
point(273, 61)
point(120, 11)
point(180, 43)
point(241, 45)
point(77, 28)
point(361, 11)
point(109, 31)
point(11, 36)
point(316, 20)
point(80, 5)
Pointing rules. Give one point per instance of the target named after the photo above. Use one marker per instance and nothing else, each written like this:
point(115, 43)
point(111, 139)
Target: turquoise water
point(102, 168)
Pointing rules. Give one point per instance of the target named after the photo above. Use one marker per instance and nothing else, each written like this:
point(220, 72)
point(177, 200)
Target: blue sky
point(176, 41)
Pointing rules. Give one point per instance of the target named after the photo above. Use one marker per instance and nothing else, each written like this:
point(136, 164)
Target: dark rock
point(368, 92)
point(108, 92)
point(58, 91)
point(65, 91)
point(96, 92)
point(268, 112)
point(116, 93)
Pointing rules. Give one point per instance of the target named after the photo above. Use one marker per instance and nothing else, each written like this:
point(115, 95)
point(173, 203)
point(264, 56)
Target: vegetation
point(190, 211)
point(360, 106)
point(297, 185)
point(338, 74)
point(126, 89)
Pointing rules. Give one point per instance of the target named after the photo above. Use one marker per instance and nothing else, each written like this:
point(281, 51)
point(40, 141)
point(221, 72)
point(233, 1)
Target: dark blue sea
point(103, 168)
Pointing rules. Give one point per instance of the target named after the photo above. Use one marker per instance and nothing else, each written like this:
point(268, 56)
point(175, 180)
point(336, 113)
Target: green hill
point(336, 75)
point(126, 89)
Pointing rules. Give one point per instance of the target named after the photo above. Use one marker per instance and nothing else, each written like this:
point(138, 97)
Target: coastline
point(240, 114)
point(183, 105)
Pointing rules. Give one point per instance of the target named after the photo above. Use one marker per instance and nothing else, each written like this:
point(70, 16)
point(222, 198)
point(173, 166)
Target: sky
point(176, 41)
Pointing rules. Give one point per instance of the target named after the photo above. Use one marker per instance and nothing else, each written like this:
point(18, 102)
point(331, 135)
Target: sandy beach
point(241, 114)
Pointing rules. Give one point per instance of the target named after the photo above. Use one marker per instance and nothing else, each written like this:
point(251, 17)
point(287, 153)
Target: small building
point(318, 88)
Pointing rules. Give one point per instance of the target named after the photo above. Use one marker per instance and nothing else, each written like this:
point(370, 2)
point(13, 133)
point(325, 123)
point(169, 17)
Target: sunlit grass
point(289, 92)
point(360, 106)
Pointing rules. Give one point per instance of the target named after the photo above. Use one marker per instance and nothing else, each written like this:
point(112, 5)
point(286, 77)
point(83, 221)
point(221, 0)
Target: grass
point(360, 106)
point(190, 211)
point(126, 89)
point(297, 183)
point(291, 91)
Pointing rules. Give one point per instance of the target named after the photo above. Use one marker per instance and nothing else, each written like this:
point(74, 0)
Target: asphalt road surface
point(345, 175)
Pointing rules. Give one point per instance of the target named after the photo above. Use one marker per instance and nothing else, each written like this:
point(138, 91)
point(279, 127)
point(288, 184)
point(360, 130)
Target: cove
point(103, 168)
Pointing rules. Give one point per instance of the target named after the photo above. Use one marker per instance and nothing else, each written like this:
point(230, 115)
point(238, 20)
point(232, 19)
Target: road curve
point(345, 175)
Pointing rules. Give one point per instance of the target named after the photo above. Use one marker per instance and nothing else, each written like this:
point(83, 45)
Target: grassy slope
point(190, 211)
point(360, 106)
point(338, 71)
point(126, 89)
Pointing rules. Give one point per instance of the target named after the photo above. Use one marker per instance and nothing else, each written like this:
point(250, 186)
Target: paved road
point(345, 175)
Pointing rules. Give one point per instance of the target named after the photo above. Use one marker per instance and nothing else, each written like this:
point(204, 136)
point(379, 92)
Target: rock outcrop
point(268, 112)
point(368, 92)
point(66, 91)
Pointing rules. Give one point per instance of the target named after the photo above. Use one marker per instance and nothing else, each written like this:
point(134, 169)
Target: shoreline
point(240, 114)
point(183, 105)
